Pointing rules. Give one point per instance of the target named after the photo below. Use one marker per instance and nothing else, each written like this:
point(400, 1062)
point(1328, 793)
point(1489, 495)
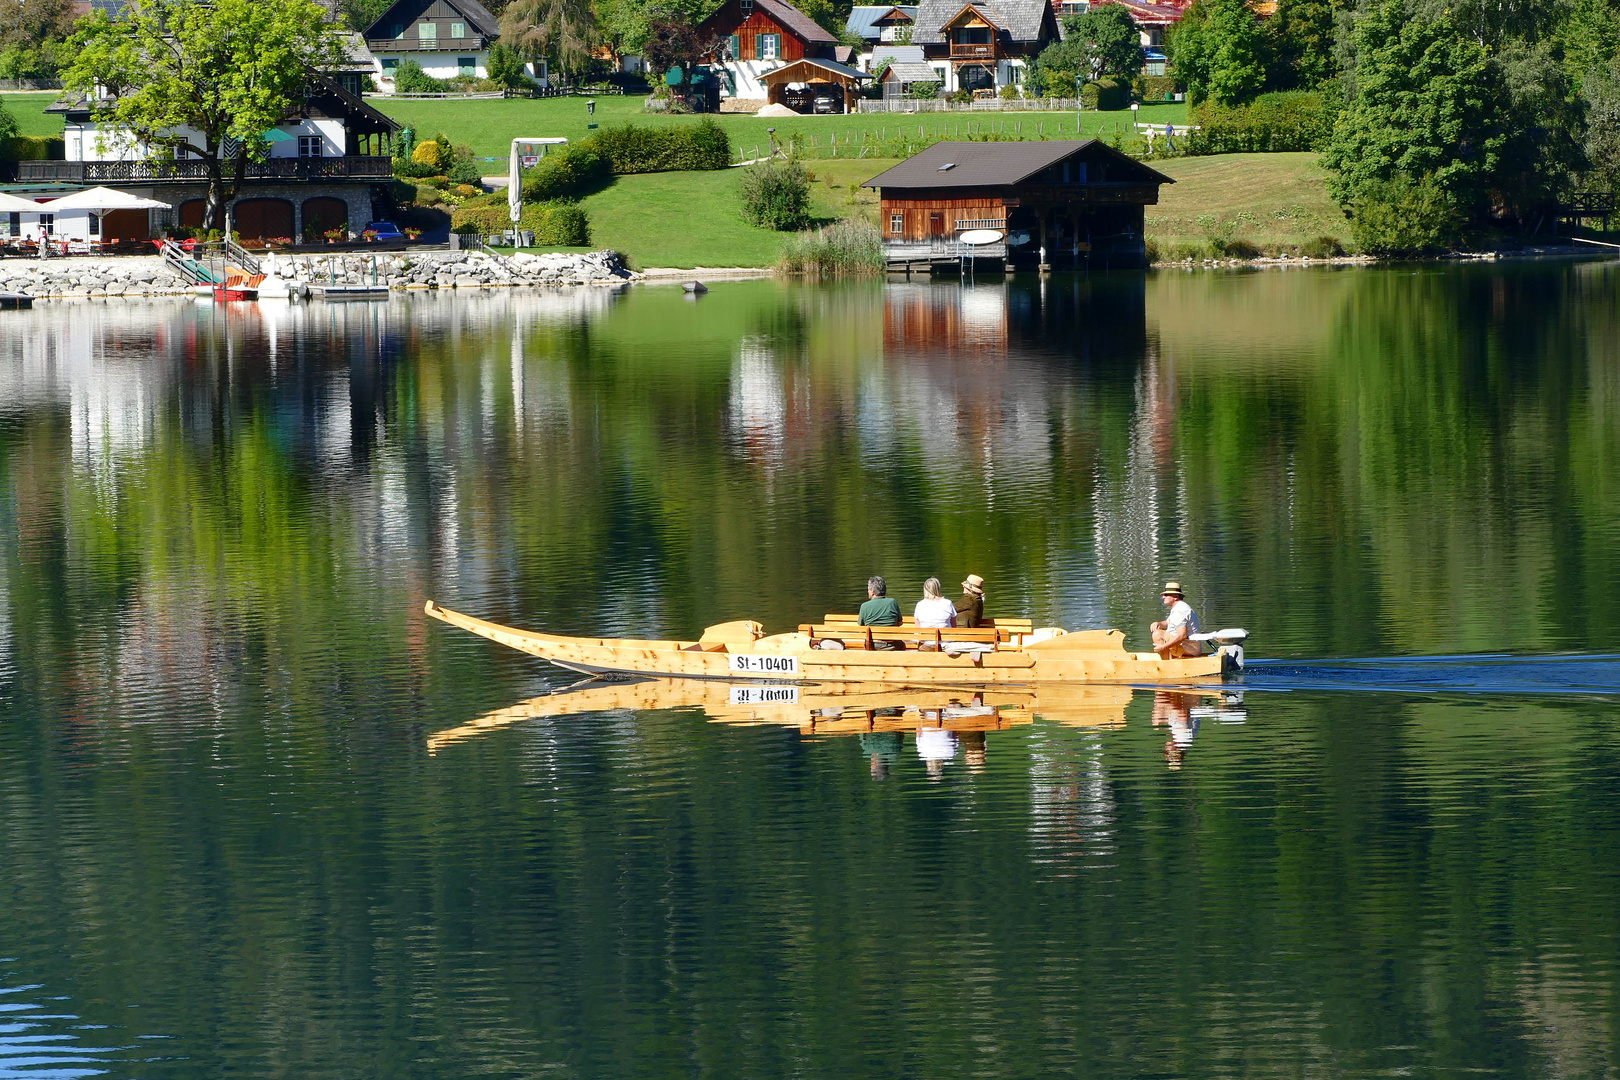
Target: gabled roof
point(905, 72)
point(971, 13)
point(795, 71)
point(1148, 13)
point(784, 15)
point(898, 54)
point(864, 18)
point(486, 24)
point(996, 164)
point(1022, 19)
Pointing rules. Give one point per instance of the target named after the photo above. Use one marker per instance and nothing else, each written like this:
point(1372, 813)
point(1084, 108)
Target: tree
point(1426, 108)
point(203, 79)
point(1108, 33)
point(1542, 127)
point(32, 37)
point(8, 125)
point(1601, 94)
point(1590, 36)
point(676, 40)
point(560, 31)
point(1302, 37)
point(1219, 50)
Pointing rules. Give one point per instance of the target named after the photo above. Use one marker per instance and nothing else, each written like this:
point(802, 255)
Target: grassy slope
point(692, 218)
point(489, 126)
point(29, 109)
point(1268, 199)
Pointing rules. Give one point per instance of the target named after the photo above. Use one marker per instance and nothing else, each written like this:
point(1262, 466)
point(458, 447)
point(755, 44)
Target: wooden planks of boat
point(838, 651)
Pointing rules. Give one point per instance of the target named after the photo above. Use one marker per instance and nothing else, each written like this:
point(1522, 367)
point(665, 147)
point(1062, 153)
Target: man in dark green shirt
point(880, 609)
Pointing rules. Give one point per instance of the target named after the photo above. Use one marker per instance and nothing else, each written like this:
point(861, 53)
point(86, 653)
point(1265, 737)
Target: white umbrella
point(100, 200)
point(10, 204)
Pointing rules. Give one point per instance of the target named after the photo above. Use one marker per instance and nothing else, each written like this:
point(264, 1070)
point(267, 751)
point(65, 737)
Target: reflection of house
point(762, 36)
point(325, 158)
point(1063, 203)
point(986, 45)
point(448, 38)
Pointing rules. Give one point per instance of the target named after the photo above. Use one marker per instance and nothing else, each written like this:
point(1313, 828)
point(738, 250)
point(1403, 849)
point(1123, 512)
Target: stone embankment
point(146, 275)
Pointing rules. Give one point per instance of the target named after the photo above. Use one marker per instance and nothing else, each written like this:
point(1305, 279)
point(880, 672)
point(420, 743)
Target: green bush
point(1322, 247)
point(1406, 217)
point(845, 247)
point(32, 148)
point(568, 172)
point(924, 91)
point(555, 224)
point(466, 171)
point(409, 78)
point(631, 149)
point(1156, 87)
point(1106, 95)
point(1271, 124)
point(776, 196)
point(505, 67)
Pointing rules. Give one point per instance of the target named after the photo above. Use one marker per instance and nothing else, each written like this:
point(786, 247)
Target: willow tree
point(560, 31)
point(201, 80)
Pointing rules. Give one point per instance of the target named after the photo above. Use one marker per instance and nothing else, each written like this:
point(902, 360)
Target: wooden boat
point(1006, 652)
point(822, 709)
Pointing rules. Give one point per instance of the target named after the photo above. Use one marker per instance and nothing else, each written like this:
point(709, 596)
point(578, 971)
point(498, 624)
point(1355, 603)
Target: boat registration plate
point(744, 664)
point(764, 695)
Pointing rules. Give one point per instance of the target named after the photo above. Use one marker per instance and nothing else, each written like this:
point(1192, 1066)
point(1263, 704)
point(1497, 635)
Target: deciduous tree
point(1302, 34)
point(1219, 49)
point(33, 34)
point(203, 79)
point(1108, 33)
point(559, 31)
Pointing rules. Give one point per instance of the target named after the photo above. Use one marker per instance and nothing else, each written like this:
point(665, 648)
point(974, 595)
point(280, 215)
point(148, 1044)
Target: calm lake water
point(259, 817)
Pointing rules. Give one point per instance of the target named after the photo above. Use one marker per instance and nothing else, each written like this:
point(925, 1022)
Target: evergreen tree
point(1219, 49)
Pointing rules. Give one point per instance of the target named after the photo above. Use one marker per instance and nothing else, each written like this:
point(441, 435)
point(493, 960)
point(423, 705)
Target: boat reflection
point(828, 710)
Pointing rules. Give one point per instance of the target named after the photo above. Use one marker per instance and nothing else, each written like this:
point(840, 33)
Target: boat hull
point(1086, 657)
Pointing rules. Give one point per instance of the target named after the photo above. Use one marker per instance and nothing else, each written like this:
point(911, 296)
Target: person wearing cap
point(1172, 638)
point(970, 609)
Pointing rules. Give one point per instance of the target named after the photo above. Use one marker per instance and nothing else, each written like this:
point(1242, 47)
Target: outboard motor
point(1229, 645)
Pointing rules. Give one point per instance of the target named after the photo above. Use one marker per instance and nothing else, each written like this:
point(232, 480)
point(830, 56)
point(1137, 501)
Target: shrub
point(1156, 88)
point(32, 148)
point(959, 97)
point(1271, 124)
point(1322, 247)
point(776, 196)
point(1406, 217)
point(1237, 249)
point(1010, 92)
point(409, 78)
point(631, 149)
point(555, 224)
point(1106, 95)
point(845, 247)
point(506, 67)
point(467, 191)
point(566, 172)
point(432, 154)
point(465, 171)
point(1150, 248)
point(924, 91)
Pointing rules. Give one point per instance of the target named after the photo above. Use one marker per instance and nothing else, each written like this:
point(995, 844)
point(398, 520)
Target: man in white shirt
point(1172, 638)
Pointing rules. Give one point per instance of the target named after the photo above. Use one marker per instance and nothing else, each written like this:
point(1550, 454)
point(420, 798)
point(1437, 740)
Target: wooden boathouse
point(1077, 204)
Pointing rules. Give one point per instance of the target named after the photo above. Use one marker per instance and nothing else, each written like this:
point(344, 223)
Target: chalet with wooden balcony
point(327, 159)
point(761, 36)
point(987, 45)
point(448, 38)
point(1034, 204)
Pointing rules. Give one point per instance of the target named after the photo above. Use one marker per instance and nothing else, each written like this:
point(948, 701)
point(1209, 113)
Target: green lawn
point(29, 109)
point(1268, 199)
point(686, 219)
point(490, 125)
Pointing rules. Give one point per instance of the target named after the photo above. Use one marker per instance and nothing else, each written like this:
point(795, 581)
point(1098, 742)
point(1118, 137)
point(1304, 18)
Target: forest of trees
point(1443, 116)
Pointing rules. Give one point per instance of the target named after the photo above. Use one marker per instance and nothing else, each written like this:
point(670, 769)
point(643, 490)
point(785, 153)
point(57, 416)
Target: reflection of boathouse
point(1062, 204)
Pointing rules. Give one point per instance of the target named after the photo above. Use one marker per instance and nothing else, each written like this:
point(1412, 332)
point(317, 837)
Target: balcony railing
point(356, 167)
point(982, 51)
point(415, 44)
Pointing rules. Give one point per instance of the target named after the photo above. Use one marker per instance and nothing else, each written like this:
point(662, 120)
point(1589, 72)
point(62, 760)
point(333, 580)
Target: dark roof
point(474, 12)
point(1022, 19)
point(791, 18)
point(994, 164)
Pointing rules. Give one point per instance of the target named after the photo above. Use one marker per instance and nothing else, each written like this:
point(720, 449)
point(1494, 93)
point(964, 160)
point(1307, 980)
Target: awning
point(99, 199)
point(10, 204)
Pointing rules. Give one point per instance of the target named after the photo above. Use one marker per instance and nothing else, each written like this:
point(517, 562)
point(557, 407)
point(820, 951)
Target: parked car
point(384, 230)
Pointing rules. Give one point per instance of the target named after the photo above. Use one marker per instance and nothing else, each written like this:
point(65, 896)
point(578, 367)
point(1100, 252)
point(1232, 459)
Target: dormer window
point(747, 7)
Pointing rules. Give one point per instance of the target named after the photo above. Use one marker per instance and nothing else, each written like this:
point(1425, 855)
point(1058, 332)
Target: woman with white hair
point(933, 611)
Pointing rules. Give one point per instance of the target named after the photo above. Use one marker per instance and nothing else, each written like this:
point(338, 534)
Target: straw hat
point(1172, 588)
point(974, 584)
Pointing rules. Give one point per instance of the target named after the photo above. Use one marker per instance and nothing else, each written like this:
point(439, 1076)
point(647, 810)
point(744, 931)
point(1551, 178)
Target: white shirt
point(937, 614)
point(1182, 614)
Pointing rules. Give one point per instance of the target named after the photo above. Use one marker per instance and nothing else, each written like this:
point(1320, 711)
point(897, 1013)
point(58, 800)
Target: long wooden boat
point(822, 709)
point(837, 651)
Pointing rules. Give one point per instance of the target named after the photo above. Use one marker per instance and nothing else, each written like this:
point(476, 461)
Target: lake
point(260, 817)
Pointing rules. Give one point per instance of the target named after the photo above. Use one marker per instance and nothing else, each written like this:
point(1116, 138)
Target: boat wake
point(1478, 673)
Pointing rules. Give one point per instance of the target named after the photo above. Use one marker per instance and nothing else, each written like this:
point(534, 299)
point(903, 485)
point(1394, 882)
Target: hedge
point(1156, 87)
point(1106, 95)
point(555, 224)
point(1272, 124)
point(32, 148)
point(631, 149)
point(569, 172)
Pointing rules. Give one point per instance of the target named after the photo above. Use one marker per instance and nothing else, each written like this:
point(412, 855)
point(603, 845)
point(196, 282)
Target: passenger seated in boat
point(970, 608)
point(880, 609)
point(1172, 638)
point(933, 612)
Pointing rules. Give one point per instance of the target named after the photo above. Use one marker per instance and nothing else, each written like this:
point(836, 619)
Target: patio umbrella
point(10, 204)
point(100, 200)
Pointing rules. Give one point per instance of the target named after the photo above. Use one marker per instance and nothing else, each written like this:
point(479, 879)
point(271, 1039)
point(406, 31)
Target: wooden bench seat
point(862, 637)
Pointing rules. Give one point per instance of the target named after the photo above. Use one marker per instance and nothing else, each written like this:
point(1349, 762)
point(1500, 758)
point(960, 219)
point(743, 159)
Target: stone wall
point(146, 275)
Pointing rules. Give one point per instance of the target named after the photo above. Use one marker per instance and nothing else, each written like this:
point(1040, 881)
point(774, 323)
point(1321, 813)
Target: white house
point(448, 38)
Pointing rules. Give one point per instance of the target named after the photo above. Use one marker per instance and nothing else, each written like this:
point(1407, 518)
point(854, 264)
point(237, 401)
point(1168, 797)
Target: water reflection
point(38, 1040)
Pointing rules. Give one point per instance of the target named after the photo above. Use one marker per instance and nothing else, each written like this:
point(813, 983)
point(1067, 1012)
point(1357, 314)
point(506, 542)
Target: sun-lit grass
point(29, 110)
point(1269, 200)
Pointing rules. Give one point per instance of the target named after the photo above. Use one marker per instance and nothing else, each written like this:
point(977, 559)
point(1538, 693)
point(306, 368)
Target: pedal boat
point(1004, 652)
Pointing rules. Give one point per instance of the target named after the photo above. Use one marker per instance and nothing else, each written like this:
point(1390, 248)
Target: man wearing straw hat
point(970, 609)
point(1172, 638)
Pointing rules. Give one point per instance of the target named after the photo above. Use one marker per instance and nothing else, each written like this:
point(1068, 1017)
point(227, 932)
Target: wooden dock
point(15, 301)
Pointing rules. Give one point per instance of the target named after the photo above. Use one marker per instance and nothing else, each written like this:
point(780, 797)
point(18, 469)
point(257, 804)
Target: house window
point(427, 31)
point(897, 224)
point(467, 65)
point(310, 145)
point(14, 224)
point(734, 46)
point(747, 7)
point(390, 63)
point(398, 30)
point(770, 46)
point(95, 225)
point(48, 223)
point(458, 29)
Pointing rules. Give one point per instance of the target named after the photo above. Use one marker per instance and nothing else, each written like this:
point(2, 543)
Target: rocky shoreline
point(81, 277)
